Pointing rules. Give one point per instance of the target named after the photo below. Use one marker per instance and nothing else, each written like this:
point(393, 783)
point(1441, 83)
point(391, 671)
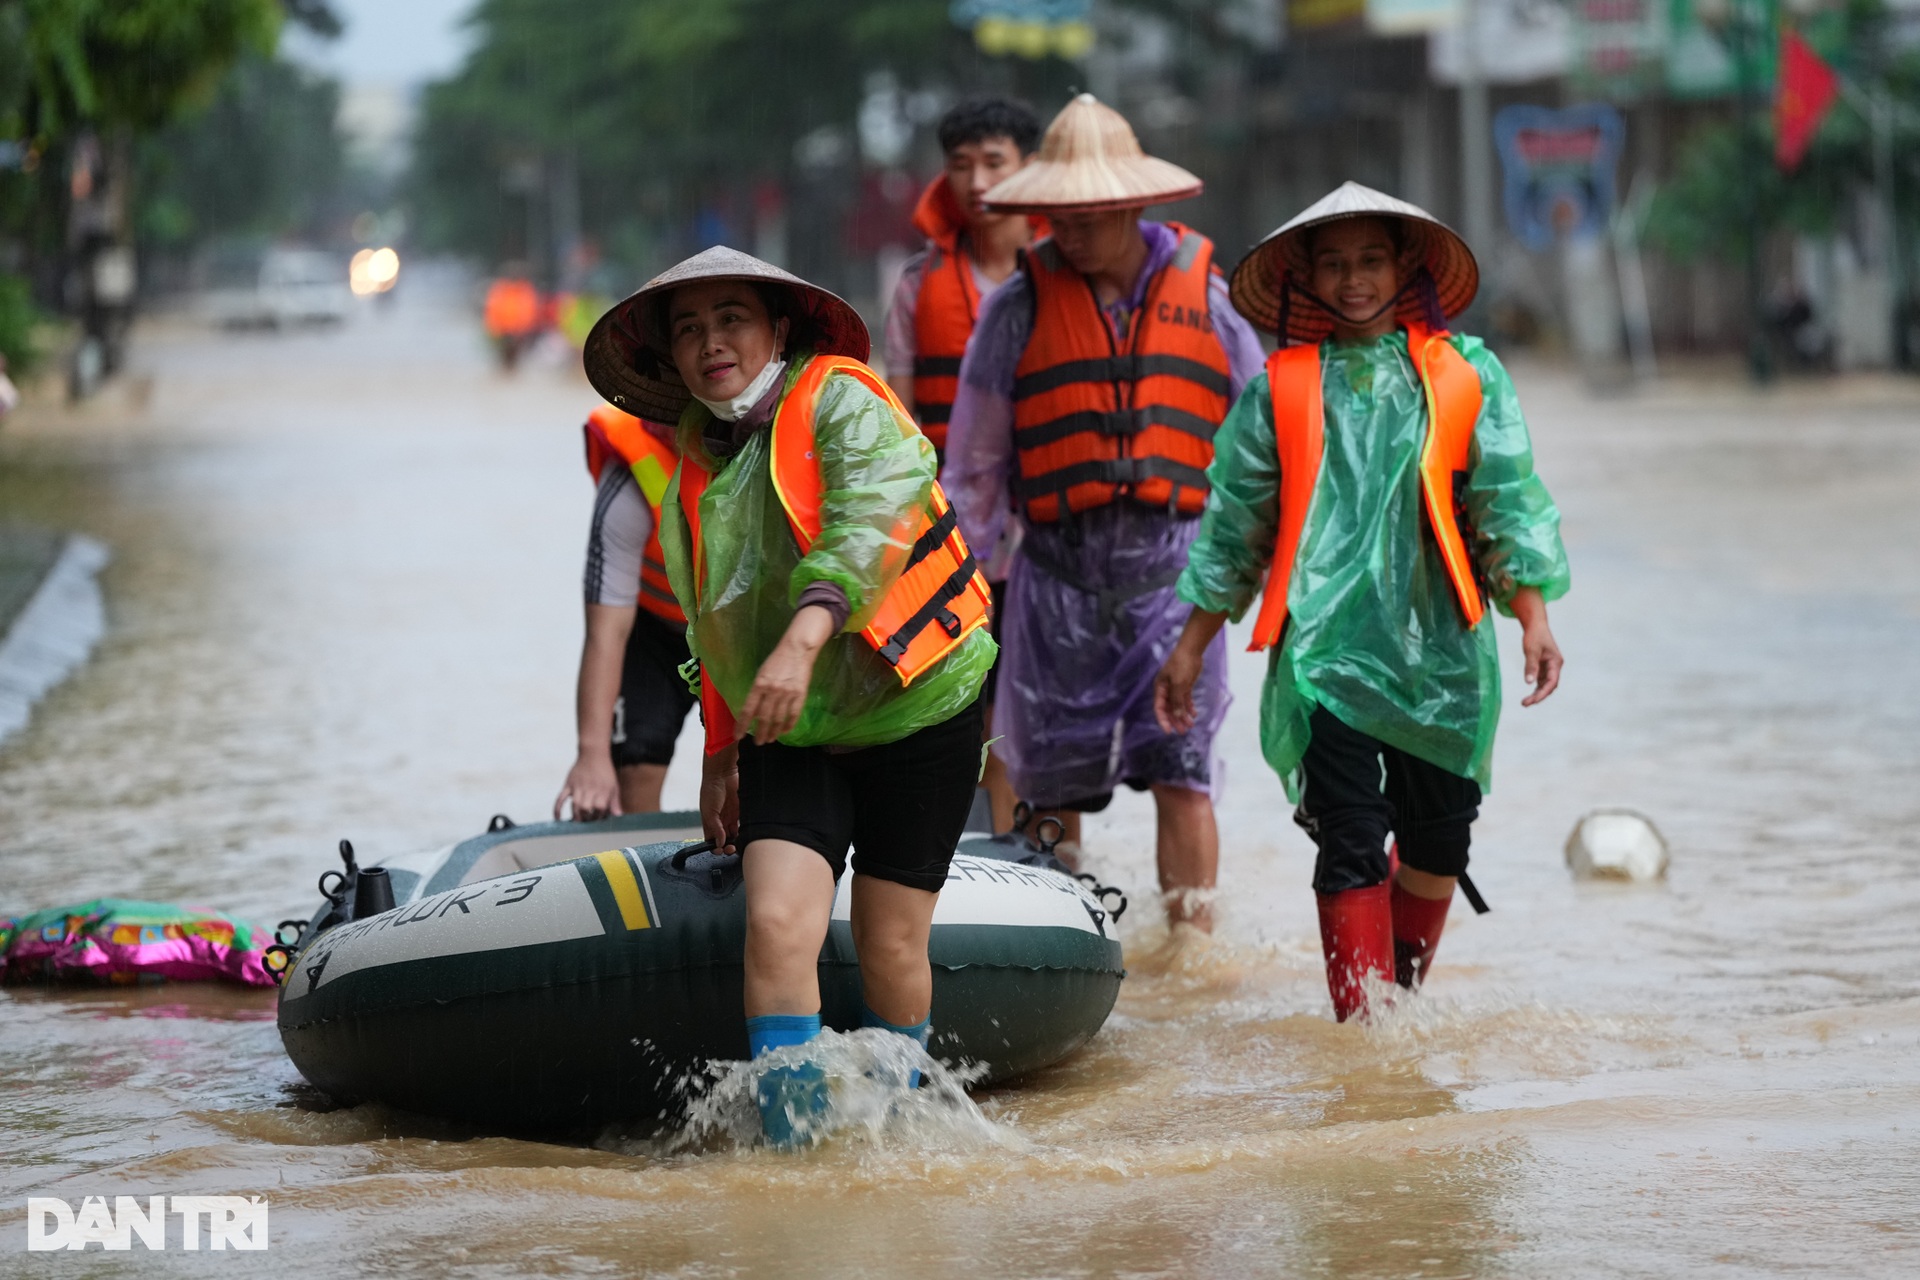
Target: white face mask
point(732, 410)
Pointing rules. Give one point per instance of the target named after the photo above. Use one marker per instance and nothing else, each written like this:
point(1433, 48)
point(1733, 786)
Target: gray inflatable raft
point(565, 975)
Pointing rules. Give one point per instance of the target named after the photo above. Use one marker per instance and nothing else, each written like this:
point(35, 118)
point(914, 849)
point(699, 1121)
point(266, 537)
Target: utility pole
point(1476, 134)
point(1749, 23)
point(1882, 117)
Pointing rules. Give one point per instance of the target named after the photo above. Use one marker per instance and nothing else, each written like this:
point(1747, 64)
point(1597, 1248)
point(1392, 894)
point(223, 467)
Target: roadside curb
point(51, 615)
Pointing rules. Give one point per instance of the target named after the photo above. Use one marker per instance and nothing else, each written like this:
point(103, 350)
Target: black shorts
point(902, 805)
point(1358, 790)
point(654, 700)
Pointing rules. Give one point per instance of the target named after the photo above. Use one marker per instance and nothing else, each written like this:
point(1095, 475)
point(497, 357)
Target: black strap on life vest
point(935, 412)
point(929, 542)
point(1121, 368)
point(1115, 422)
point(934, 610)
point(1117, 471)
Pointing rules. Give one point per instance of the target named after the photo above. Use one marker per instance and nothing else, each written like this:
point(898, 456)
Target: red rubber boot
point(1356, 936)
point(1417, 923)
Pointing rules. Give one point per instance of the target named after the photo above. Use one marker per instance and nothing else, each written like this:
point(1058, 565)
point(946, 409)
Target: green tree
point(122, 68)
point(259, 159)
point(662, 106)
point(132, 63)
point(1704, 210)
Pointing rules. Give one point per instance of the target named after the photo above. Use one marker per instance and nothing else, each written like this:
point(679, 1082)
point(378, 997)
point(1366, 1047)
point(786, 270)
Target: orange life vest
point(1453, 407)
point(1094, 421)
point(613, 434)
point(947, 308)
point(945, 311)
point(940, 596)
point(512, 308)
point(943, 320)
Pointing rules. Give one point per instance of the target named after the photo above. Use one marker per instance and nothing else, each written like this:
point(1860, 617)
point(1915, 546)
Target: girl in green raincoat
point(1378, 478)
point(839, 635)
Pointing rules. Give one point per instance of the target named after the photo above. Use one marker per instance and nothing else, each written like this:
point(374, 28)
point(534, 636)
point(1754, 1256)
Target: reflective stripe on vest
point(1452, 388)
point(1095, 422)
point(614, 434)
point(940, 596)
point(943, 320)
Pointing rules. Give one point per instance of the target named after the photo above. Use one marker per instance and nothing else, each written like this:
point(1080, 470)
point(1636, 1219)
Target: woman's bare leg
point(789, 898)
point(891, 923)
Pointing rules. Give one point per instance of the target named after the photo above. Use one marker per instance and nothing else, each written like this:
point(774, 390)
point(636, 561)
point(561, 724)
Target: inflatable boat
point(562, 976)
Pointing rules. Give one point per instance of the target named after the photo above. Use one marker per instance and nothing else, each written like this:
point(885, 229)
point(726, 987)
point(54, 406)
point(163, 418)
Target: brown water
point(344, 603)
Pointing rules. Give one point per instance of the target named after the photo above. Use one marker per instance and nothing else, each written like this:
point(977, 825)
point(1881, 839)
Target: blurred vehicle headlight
point(373, 271)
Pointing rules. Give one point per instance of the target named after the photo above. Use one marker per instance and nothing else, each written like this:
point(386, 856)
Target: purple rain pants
point(1074, 703)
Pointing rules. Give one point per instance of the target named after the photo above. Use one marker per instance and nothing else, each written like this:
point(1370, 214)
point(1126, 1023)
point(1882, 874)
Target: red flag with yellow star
point(1807, 89)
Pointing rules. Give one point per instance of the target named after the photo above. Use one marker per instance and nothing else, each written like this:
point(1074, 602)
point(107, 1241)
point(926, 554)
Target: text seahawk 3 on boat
point(576, 985)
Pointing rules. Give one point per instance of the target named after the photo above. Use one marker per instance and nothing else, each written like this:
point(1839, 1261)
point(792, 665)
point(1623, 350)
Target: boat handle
point(1101, 892)
point(681, 856)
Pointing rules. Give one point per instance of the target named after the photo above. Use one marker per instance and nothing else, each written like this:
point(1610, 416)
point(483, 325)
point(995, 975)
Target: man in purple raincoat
point(1088, 399)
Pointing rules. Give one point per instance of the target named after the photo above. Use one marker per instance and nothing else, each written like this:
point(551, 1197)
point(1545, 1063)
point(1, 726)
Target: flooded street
point(344, 602)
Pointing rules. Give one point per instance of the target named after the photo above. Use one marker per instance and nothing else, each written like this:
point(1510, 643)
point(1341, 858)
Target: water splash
point(871, 1104)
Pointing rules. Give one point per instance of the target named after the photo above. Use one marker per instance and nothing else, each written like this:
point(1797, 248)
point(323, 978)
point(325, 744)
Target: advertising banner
point(1559, 169)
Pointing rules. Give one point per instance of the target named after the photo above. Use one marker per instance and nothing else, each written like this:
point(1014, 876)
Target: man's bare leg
point(1000, 794)
point(1188, 853)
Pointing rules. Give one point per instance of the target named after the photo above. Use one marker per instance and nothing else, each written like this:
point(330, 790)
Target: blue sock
point(779, 1030)
point(786, 1094)
point(920, 1032)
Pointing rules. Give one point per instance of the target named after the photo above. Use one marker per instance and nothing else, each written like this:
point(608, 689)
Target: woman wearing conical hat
point(1378, 478)
point(1091, 391)
point(839, 624)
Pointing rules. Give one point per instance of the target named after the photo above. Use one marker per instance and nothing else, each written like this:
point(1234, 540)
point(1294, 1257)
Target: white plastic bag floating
point(1616, 844)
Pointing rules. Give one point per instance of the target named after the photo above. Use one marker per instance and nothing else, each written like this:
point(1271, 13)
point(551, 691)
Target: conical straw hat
point(1090, 160)
point(1279, 263)
point(631, 365)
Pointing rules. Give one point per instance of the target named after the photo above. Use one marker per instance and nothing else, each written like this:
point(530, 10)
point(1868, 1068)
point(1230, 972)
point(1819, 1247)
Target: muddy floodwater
point(344, 601)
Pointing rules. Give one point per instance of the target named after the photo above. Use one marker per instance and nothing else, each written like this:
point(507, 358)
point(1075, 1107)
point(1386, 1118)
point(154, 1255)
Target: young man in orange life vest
point(1091, 391)
point(1379, 478)
point(970, 251)
point(631, 699)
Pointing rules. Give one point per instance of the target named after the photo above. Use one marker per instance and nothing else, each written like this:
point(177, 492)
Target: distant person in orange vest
point(631, 699)
point(1091, 391)
point(511, 314)
point(1379, 479)
point(970, 251)
point(840, 625)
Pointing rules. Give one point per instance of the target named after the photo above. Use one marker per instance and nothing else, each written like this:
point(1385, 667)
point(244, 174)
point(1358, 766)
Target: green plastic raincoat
point(1373, 632)
point(872, 469)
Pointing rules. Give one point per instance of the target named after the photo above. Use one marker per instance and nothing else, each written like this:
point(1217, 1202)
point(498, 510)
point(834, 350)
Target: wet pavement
point(344, 602)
